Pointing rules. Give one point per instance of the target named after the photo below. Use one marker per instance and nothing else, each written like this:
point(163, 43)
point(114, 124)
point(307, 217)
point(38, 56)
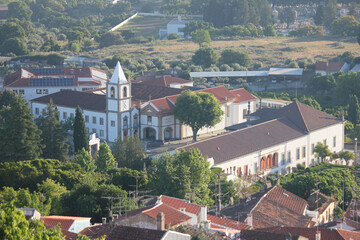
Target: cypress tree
point(105, 160)
point(85, 160)
point(20, 137)
point(81, 139)
point(354, 110)
point(53, 135)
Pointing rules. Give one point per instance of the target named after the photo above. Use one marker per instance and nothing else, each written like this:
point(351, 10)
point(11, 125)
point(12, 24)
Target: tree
point(84, 159)
point(19, 10)
point(354, 110)
point(129, 153)
point(52, 134)
point(81, 139)
point(110, 38)
point(105, 160)
point(353, 9)
point(13, 225)
point(319, 15)
point(287, 15)
point(322, 83)
point(173, 36)
point(53, 191)
point(322, 151)
point(345, 26)
point(230, 56)
point(20, 137)
point(197, 110)
point(200, 37)
point(11, 30)
point(346, 155)
point(330, 12)
point(269, 31)
point(205, 56)
point(184, 175)
point(16, 46)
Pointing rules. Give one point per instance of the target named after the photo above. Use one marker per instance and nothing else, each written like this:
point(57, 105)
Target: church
point(125, 109)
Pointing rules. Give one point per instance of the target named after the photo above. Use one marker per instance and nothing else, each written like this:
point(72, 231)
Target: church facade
point(129, 109)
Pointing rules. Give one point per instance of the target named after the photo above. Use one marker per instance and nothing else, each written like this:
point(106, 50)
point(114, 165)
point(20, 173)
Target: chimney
point(318, 235)
point(203, 213)
point(249, 220)
point(160, 221)
point(103, 220)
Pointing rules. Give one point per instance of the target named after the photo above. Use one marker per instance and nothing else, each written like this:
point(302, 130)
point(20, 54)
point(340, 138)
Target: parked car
point(156, 143)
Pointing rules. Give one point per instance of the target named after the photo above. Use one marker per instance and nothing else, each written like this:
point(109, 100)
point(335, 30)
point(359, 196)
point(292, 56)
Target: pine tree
point(105, 160)
point(53, 135)
point(85, 160)
point(81, 139)
point(354, 110)
point(20, 137)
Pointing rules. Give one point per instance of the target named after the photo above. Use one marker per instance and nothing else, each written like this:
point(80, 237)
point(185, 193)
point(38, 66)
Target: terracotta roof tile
point(241, 95)
point(143, 92)
point(179, 203)
point(329, 66)
point(165, 81)
point(68, 235)
point(65, 221)
point(96, 231)
point(163, 105)
point(133, 233)
point(320, 201)
point(261, 235)
point(173, 217)
point(226, 223)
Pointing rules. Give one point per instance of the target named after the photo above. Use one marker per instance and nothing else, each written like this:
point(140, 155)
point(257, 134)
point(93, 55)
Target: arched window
point(125, 123)
point(112, 92)
point(125, 92)
point(262, 164)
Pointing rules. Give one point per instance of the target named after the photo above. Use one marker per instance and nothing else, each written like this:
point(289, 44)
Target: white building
point(143, 109)
point(36, 82)
point(324, 68)
point(174, 26)
point(274, 142)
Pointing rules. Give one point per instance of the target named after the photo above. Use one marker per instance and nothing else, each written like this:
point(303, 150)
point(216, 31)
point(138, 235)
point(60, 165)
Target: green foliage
point(105, 160)
point(173, 36)
point(331, 179)
point(23, 198)
point(185, 175)
point(197, 110)
point(15, 46)
point(269, 31)
point(11, 30)
point(230, 56)
point(110, 38)
point(192, 26)
point(84, 159)
point(13, 225)
point(19, 10)
point(345, 26)
point(129, 153)
point(20, 137)
point(200, 37)
point(322, 83)
point(322, 151)
point(54, 191)
point(50, 46)
point(205, 56)
point(310, 101)
point(319, 15)
point(346, 155)
point(287, 15)
point(347, 84)
point(354, 110)
point(81, 139)
point(52, 135)
point(126, 178)
point(306, 31)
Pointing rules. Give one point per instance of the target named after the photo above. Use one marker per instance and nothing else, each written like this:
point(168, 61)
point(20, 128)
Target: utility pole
point(356, 152)
point(219, 208)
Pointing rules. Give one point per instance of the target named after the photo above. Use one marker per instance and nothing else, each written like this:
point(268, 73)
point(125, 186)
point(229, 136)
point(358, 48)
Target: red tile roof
point(287, 199)
point(96, 231)
point(179, 203)
point(166, 81)
point(134, 233)
point(173, 217)
point(261, 235)
point(226, 223)
point(65, 221)
point(68, 235)
point(163, 105)
point(329, 67)
point(326, 234)
point(242, 95)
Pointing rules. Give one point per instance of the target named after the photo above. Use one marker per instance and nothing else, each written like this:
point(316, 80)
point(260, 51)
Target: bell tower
point(118, 104)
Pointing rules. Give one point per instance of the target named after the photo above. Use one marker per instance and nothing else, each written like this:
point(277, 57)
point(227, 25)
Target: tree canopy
point(230, 56)
point(105, 160)
point(81, 139)
point(205, 56)
point(354, 110)
point(197, 110)
point(200, 37)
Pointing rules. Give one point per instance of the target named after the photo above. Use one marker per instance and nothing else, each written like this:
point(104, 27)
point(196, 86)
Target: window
point(64, 115)
point(94, 120)
point(113, 123)
point(71, 115)
point(289, 156)
point(101, 121)
point(38, 91)
point(45, 91)
point(149, 119)
point(312, 148)
point(324, 142)
point(21, 91)
point(303, 151)
point(125, 122)
point(283, 159)
point(94, 130)
point(86, 118)
point(112, 92)
point(125, 92)
point(135, 121)
point(334, 141)
point(297, 153)
point(15, 91)
point(101, 133)
point(36, 110)
point(244, 113)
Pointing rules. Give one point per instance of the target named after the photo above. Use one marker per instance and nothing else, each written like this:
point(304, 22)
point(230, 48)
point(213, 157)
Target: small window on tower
point(112, 92)
point(125, 92)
